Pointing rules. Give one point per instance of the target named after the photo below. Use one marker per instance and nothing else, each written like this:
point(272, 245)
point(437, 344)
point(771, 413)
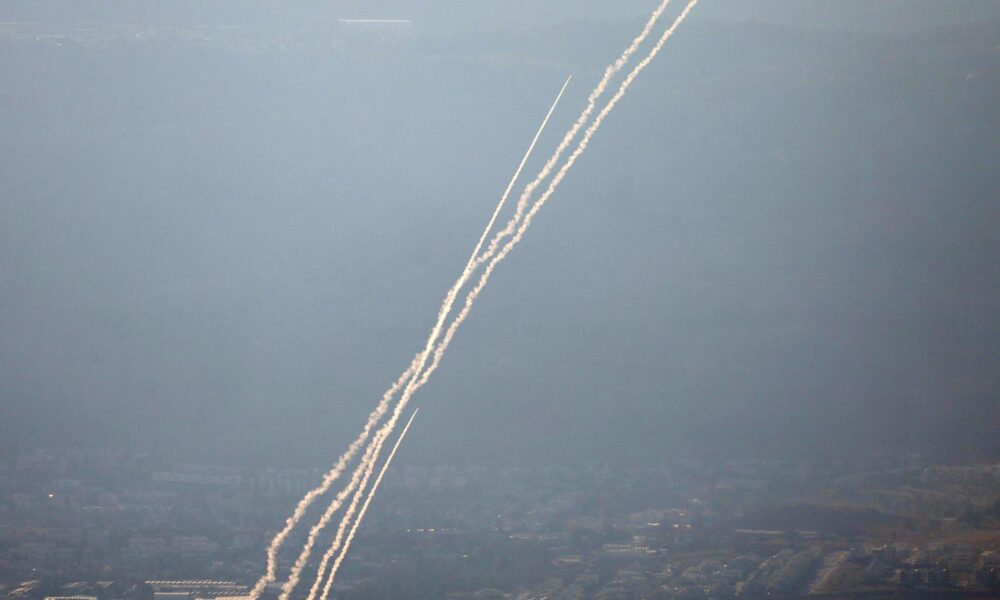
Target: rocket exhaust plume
point(416, 365)
point(293, 579)
point(357, 522)
point(300, 510)
point(598, 90)
point(356, 482)
point(581, 147)
point(368, 461)
point(414, 374)
point(475, 260)
point(420, 378)
point(449, 299)
point(510, 186)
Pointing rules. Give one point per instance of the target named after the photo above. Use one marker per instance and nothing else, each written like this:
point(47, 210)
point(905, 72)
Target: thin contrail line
point(361, 514)
point(408, 376)
point(484, 278)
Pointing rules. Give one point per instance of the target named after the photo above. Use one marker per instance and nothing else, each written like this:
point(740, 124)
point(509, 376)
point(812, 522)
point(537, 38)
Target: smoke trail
point(416, 383)
point(338, 501)
point(510, 186)
point(560, 175)
point(474, 260)
point(374, 446)
point(300, 510)
point(581, 147)
point(598, 90)
point(361, 473)
point(415, 366)
point(357, 522)
point(418, 364)
point(470, 265)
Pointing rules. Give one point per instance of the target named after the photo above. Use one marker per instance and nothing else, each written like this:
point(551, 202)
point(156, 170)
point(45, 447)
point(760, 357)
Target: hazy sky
point(851, 15)
point(784, 240)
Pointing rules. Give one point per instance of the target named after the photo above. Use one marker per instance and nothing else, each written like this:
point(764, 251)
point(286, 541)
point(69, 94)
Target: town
point(80, 524)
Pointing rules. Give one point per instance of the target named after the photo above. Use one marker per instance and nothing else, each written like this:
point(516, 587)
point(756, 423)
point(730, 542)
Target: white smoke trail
point(470, 265)
point(410, 374)
point(416, 383)
point(418, 364)
point(510, 185)
point(598, 90)
point(338, 501)
point(362, 472)
point(361, 516)
point(300, 510)
point(526, 222)
point(560, 175)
